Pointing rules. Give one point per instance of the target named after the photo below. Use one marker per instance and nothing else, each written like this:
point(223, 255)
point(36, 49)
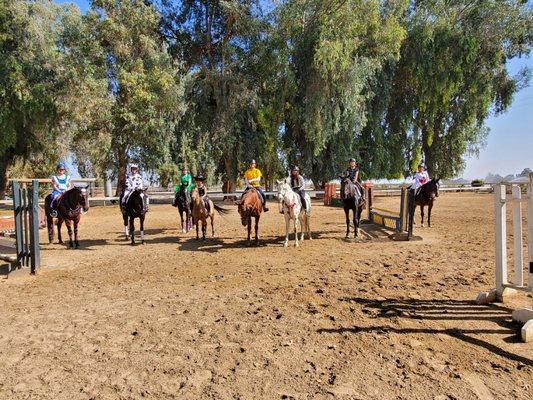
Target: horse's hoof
point(286, 244)
point(296, 244)
point(142, 242)
point(183, 231)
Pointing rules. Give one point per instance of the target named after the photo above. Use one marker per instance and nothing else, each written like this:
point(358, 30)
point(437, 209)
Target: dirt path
point(179, 319)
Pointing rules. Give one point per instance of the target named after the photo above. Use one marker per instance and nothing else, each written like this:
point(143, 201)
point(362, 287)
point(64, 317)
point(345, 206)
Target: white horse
point(291, 206)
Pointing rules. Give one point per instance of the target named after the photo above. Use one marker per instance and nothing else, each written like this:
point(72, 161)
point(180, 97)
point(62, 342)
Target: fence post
point(19, 231)
point(517, 234)
point(35, 250)
point(500, 232)
point(530, 230)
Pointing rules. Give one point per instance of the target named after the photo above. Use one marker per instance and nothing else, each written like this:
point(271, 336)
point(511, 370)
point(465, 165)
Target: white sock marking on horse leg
point(142, 235)
point(126, 232)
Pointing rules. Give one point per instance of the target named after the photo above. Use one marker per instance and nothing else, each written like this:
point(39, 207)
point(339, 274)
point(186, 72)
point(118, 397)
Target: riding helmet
point(295, 168)
point(61, 165)
point(252, 161)
point(133, 165)
point(199, 178)
point(351, 160)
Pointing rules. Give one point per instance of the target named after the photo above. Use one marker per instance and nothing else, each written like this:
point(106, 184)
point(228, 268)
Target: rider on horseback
point(184, 186)
point(134, 182)
point(420, 178)
point(352, 173)
point(252, 178)
point(61, 183)
point(202, 191)
point(298, 185)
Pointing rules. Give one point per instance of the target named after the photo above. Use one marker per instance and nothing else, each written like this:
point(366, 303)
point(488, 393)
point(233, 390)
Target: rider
point(202, 191)
point(61, 182)
point(252, 178)
point(134, 182)
point(185, 183)
point(352, 173)
point(298, 184)
point(420, 178)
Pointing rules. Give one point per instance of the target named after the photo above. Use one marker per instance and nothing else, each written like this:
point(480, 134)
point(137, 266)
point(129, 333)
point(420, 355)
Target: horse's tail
point(220, 210)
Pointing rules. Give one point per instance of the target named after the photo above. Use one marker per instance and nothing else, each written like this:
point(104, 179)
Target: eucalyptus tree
point(217, 41)
point(452, 75)
point(142, 79)
point(35, 84)
point(335, 49)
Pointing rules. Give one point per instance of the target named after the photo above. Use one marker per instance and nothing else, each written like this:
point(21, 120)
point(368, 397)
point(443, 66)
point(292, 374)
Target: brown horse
point(425, 197)
point(250, 206)
point(69, 207)
point(200, 213)
point(352, 200)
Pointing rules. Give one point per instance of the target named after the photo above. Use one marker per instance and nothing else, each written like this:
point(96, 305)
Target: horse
point(291, 205)
point(69, 206)
point(184, 206)
point(200, 213)
point(133, 208)
point(352, 200)
point(251, 206)
point(425, 197)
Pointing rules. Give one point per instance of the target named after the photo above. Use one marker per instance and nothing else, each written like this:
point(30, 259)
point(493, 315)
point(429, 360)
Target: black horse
point(352, 200)
point(69, 207)
point(425, 196)
point(183, 202)
point(134, 208)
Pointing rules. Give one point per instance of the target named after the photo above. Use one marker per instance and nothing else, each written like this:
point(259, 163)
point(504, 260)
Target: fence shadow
point(439, 310)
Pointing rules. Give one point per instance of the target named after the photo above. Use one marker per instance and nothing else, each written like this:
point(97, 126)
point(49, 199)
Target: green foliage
point(168, 174)
point(477, 183)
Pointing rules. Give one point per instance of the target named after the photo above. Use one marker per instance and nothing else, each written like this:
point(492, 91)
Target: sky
point(509, 146)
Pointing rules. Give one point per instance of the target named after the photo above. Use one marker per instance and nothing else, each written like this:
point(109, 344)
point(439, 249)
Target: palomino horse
point(134, 208)
point(251, 206)
point(184, 207)
point(425, 197)
point(69, 207)
point(200, 213)
point(291, 206)
point(352, 200)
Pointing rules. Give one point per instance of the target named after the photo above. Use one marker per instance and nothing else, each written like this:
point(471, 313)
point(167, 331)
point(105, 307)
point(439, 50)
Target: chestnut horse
point(69, 207)
point(250, 206)
point(200, 213)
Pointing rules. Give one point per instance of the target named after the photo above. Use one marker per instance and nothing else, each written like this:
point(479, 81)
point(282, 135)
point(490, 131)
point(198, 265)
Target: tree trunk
point(229, 182)
point(5, 163)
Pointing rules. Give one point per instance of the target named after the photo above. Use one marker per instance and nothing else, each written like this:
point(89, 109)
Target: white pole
point(517, 233)
point(530, 231)
point(500, 236)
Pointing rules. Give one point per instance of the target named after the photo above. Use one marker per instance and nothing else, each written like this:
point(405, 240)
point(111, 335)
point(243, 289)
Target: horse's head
point(433, 188)
point(350, 190)
point(79, 197)
point(195, 195)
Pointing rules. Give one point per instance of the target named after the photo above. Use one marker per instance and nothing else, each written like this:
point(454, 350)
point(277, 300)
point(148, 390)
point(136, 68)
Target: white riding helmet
point(132, 165)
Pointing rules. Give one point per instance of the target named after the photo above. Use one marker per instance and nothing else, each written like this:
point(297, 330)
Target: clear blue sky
point(509, 146)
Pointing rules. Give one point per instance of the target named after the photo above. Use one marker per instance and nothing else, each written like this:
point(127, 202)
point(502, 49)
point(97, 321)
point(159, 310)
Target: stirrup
point(53, 213)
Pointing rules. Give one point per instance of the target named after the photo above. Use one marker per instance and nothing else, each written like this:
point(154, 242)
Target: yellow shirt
point(253, 176)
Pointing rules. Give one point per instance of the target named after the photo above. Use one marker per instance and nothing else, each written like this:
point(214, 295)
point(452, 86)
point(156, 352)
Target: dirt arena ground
point(181, 319)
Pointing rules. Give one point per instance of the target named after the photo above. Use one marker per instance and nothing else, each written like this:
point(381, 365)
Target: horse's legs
point(212, 220)
point(308, 225)
point(50, 226)
point(249, 227)
point(197, 227)
point(59, 224)
point(141, 218)
point(68, 223)
point(355, 222)
point(76, 222)
point(347, 214)
point(256, 229)
point(296, 225)
point(287, 225)
point(126, 231)
point(430, 206)
point(132, 230)
point(204, 228)
point(181, 219)
point(422, 215)
point(303, 225)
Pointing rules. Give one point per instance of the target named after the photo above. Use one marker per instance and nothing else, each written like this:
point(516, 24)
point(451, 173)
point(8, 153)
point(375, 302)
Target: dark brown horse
point(134, 208)
point(251, 206)
point(352, 200)
point(183, 202)
point(69, 207)
point(425, 197)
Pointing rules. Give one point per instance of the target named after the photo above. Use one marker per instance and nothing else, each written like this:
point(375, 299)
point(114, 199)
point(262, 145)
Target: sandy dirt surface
point(332, 319)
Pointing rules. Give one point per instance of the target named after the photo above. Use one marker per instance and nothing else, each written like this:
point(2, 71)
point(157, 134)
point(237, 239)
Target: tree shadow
point(442, 310)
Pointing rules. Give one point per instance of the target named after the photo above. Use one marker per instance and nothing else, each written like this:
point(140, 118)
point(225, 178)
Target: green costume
point(186, 181)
